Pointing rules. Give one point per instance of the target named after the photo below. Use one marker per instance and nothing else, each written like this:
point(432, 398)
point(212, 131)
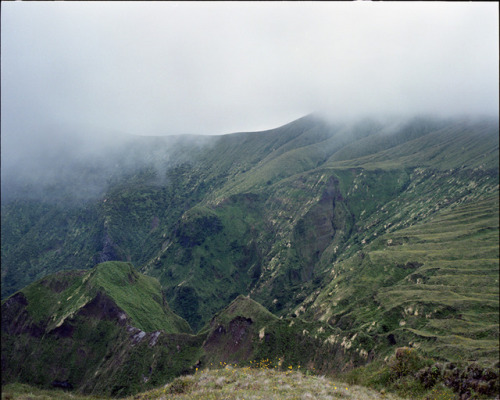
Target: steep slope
point(433, 285)
point(105, 205)
point(274, 229)
point(95, 354)
point(81, 329)
point(457, 144)
point(245, 333)
point(138, 296)
point(267, 214)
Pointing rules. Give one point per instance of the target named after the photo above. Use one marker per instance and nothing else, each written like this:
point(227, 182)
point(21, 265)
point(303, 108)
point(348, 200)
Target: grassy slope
point(137, 189)
point(102, 330)
point(259, 383)
point(452, 218)
point(269, 188)
point(242, 306)
point(244, 217)
point(461, 144)
point(139, 296)
point(274, 373)
point(434, 284)
point(39, 239)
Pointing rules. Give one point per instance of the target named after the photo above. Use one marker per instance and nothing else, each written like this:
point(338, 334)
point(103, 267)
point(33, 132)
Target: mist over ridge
point(72, 93)
point(191, 184)
point(217, 68)
point(82, 165)
point(275, 215)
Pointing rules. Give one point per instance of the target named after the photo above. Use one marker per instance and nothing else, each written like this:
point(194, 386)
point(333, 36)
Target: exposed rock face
point(108, 252)
point(238, 328)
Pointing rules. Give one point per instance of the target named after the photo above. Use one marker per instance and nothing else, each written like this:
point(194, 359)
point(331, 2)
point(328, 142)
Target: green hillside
point(59, 297)
point(433, 285)
point(97, 210)
point(460, 144)
point(320, 243)
point(80, 327)
point(244, 341)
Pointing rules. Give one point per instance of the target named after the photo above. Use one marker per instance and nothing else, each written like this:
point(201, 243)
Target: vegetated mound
point(139, 296)
point(243, 307)
point(90, 330)
point(232, 333)
point(246, 331)
point(111, 290)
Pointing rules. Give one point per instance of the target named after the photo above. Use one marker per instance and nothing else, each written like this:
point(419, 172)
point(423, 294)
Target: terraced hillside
point(433, 285)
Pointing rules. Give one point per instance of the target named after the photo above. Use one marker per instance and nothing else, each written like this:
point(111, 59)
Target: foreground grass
point(20, 391)
point(232, 383)
point(227, 383)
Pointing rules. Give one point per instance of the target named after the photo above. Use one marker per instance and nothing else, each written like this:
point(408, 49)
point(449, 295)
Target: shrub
point(180, 385)
point(429, 376)
point(406, 361)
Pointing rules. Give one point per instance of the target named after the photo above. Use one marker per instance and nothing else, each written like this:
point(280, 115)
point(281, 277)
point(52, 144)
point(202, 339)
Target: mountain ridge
point(325, 225)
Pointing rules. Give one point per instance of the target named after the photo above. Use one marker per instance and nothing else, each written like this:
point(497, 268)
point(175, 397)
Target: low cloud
point(74, 72)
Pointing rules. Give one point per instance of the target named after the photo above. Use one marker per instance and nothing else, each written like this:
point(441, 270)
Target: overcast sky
point(155, 68)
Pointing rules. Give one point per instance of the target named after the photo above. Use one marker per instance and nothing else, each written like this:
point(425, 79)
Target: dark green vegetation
point(362, 237)
point(91, 330)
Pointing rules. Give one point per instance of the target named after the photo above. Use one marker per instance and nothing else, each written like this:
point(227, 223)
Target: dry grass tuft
point(247, 383)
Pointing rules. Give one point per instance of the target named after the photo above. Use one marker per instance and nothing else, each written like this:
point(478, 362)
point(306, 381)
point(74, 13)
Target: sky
point(97, 69)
